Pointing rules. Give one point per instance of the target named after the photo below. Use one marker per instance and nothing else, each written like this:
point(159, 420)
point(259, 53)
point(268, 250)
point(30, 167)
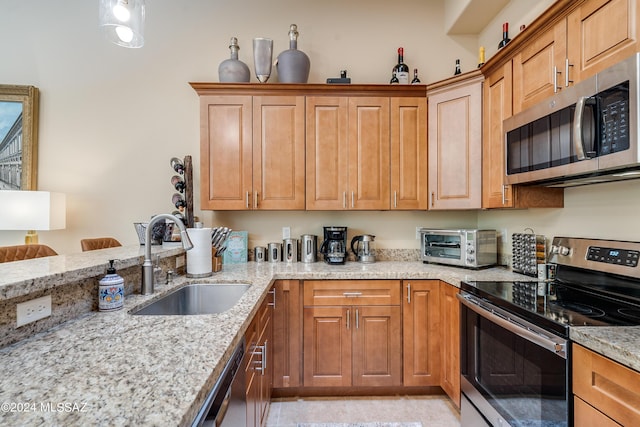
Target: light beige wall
point(516, 13)
point(111, 118)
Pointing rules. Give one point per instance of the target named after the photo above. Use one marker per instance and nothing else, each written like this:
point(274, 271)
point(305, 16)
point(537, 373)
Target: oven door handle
point(558, 347)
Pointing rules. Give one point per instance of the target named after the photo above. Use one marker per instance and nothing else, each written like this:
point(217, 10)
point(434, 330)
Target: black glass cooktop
point(557, 306)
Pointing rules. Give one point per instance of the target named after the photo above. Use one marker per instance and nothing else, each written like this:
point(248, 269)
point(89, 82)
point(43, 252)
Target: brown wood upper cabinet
point(252, 152)
point(347, 153)
point(455, 142)
point(595, 34)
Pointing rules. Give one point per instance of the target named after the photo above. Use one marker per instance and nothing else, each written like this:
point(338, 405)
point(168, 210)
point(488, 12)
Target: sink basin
point(197, 298)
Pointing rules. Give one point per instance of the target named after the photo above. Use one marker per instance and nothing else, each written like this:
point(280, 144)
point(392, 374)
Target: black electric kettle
point(362, 247)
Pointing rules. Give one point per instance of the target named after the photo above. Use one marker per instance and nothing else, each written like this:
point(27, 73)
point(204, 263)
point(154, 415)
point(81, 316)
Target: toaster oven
point(468, 248)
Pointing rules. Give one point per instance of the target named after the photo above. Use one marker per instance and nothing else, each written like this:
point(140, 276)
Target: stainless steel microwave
point(469, 248)
point(586, 133)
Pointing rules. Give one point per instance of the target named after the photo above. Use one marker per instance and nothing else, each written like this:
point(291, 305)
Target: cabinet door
point(287, 334)
point(497, 107)
point(409, 153)
point(539, 68)
point(611, 388)
point(326, 152)
point(327, 346)
point(450, 349)
point(266, 371)
point(376, 340)
point(455, 147)
point(225, 152)
point(278, 152)
point(600, 34)
point(368, 153)
point(421, 333)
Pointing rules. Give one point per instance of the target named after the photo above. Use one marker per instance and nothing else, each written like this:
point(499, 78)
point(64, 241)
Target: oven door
point(513, 373)
point(443, 246)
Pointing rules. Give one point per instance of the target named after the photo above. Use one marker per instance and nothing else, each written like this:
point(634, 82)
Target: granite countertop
point(118, 369)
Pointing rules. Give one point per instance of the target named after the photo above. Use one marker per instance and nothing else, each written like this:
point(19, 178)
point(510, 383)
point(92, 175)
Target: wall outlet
point(286, 232)
point(33, 310)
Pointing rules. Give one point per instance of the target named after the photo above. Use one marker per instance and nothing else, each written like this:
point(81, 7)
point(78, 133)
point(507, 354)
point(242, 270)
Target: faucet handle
point(170, 275)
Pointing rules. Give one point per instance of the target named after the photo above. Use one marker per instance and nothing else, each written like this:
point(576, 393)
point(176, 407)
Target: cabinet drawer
point(585, 415)
point(606, 385)
point(351, 292)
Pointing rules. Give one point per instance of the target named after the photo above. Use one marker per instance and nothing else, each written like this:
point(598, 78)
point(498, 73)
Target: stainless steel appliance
point(362, 247)
point(274, 251)
point(515, 345)
point(464, 247)
point(334, 246)
point(290, 250)
point(308, 248)
point(226, 403)
point(586, 133)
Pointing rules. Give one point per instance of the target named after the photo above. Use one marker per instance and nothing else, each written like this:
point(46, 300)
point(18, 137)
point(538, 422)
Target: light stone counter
point(620, 343)
point(117, 369)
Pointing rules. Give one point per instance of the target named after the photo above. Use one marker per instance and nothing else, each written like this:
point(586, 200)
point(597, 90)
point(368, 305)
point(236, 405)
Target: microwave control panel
point(614, 113)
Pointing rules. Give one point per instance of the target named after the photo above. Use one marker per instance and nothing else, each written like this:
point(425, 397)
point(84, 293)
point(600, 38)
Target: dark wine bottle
point(415, 80)
point(457, 71)
point(401, 70)
point(505, 36)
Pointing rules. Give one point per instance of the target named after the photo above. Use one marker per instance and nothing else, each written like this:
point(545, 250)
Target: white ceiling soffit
point(470, 16)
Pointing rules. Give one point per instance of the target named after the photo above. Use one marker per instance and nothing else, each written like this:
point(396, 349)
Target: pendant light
point(122, 22)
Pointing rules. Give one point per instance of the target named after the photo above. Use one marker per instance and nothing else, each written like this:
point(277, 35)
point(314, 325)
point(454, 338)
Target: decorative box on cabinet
point(455, 142)
point(352, 333)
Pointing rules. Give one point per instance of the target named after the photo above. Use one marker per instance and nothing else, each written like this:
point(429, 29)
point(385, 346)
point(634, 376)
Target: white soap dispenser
point(111, 290)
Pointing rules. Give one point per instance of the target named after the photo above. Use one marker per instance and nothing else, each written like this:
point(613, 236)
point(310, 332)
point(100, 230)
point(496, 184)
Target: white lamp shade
point(32, 210)
point(122, 22)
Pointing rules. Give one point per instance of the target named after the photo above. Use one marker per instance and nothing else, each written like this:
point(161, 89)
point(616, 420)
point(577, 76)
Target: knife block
point(216, 261)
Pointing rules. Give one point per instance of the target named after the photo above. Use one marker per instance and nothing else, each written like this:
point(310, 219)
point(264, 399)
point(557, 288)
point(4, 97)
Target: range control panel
point(613, 256)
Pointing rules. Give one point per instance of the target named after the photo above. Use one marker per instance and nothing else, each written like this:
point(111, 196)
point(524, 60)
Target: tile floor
point(431, 411)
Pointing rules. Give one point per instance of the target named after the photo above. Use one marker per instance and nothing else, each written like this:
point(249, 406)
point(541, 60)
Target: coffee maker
point(334, 246)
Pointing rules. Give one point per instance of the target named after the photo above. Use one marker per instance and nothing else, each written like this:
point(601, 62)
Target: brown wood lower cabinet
point(287, 334)
point(450, 341)
point(355, 344)
point(606, 388)
point(259, 369)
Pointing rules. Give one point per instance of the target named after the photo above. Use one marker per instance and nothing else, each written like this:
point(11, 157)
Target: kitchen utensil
point(308, 248)
point(274, 251)
point(362, 247)
point(259, 253)
point(290, 250)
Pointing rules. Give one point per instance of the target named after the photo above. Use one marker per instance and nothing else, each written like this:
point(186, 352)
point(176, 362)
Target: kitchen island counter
point(120, 369)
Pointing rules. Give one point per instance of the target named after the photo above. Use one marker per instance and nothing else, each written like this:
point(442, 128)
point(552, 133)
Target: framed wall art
point(18, 137)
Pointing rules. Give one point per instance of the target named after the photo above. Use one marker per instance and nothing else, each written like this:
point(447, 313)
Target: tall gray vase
point(233, 70)
point(293, 65)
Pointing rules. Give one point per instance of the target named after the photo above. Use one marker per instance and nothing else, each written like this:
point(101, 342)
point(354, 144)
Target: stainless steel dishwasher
point(226, 404)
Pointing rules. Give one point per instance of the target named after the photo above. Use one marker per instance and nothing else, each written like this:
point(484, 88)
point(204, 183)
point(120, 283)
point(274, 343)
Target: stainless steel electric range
point(515, 352)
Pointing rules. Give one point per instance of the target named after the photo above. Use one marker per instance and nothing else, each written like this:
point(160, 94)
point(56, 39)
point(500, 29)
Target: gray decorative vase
point(293, 65)
point(233, 70)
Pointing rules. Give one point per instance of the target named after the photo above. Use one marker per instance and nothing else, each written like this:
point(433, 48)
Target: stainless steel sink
point(197, 298)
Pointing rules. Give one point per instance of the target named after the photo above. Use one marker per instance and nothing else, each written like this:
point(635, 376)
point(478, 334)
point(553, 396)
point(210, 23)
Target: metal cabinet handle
point(566, 72)
point(348, 318)
point(344, 200)
point(556, 88)
point(395, 199)
point(357, 320)
point(255, 200)
point(352, 294)
point(409, 293)
point(432, 197)
point(264, 357)
point(273, 302)
point(259, 350)
point(247, 200)
point(504, 194)
point(352, 201)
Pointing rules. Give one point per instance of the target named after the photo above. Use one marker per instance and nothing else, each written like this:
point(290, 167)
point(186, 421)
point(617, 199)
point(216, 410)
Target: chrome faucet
point(147, 265)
